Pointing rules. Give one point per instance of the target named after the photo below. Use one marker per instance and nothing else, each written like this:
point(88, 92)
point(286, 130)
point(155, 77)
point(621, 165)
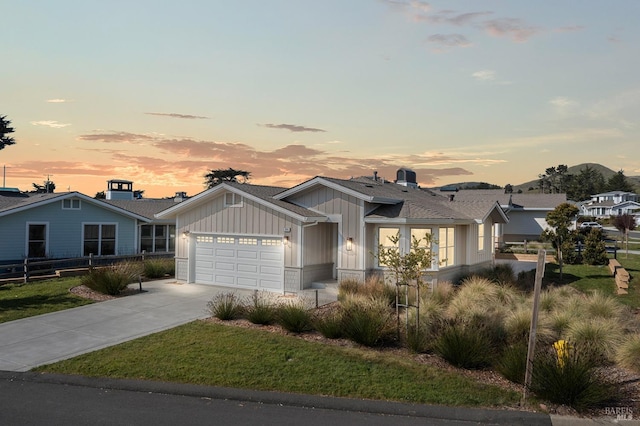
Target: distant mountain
point(525, 187)
point(574, 170)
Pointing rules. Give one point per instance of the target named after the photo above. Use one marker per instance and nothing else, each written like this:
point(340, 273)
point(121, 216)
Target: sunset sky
point(161, 92)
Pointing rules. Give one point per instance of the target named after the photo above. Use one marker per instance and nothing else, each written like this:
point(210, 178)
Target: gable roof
point(13, 204)
point(514, 200)
point(261, 194)
point(146, 207)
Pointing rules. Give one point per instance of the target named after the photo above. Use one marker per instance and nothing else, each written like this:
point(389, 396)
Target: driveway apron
point(43, 339)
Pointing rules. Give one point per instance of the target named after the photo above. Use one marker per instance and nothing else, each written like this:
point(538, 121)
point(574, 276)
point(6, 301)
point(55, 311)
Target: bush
point(225, 306)
point(329, 324)
point(159, 268)
point(628, 354)
point(367, 320)
point(294, 317)
point(599, 337)
point(112, 279)
point(465, 347)
point(513, 362)
point(261, 310)
point(575, 380)
point(373, 286)
point(595, 252)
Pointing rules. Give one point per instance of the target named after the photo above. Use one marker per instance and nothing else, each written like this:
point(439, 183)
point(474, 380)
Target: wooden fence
point(30, 270)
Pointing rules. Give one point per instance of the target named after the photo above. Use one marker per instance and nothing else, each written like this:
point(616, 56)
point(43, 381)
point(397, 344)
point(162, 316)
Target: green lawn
point(36, 298)
point(589, 278)
point(213, 354)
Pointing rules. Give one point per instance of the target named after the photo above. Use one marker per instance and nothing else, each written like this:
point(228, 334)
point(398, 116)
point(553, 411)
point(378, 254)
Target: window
point(480, 236)
point(71, 204)
point(99, 239)
point(271, 242)
point(225, 240)
point(37, 240)
point(446, 253)
point(157, 238)
point(384, 239)
point(248, 241)
point(232, 200)
point(204, 239)
point(422, 235)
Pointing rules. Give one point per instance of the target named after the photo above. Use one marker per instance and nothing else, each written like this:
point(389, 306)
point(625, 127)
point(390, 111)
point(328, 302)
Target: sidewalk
point(43, 339)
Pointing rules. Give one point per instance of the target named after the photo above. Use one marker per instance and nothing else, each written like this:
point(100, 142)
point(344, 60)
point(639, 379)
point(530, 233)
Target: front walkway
point(43, 339)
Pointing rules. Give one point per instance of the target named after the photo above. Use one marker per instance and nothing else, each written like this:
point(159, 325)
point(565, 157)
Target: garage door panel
point(246, 267)
point(225, 252)
point(247, 254)
point(238, 261)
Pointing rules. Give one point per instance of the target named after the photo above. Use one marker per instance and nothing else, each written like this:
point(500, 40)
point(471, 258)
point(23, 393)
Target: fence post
point(90, 262)
point(26, 270)
point(143, 253)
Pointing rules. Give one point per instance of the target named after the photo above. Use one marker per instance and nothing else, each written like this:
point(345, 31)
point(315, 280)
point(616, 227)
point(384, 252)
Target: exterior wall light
point(286, 241)
point(349, 244)
point(185, 234)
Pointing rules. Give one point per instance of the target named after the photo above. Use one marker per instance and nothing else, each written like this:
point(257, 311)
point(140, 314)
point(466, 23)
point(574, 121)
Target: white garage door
point(247, 262)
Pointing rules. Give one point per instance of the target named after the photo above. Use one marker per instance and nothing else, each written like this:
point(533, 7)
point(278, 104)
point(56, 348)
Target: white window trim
point(447, 244)
point(99, 235)
point(481, 237)
point(167, 237)
point(71, 200)
point(46, 236)
point(236, 200)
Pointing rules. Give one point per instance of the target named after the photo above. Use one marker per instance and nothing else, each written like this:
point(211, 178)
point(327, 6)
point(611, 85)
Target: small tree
point(5, 130)
point(595, 251)
point(407, 268)
point(560, 220)
point(47, 188)
point(217, 176)
point(625, 223)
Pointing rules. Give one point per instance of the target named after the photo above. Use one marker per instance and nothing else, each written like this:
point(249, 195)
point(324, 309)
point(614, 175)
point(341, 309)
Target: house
point(527, 212)
point(71, 224)
point(285, 239)
point(611, 203)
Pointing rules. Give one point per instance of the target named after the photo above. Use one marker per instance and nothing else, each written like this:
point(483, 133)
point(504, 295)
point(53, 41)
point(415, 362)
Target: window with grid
point(480, 236)
point(37, 243)
point(446, 252)
point(384, 239)
point(232, 199)
point(71, 204)
point(99, 239)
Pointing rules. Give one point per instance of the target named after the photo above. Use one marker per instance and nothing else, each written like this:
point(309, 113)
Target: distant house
point(71, 224)
point(527, 212)
point(285, 239)
point(611, 203)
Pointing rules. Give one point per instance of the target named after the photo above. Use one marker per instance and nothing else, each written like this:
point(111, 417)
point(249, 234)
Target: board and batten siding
point(64, 229)
point(252, 218)
point(348, 212)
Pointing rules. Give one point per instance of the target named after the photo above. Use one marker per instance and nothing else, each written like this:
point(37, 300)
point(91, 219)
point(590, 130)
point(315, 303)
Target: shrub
point(513, 362)
point(367, 320)
point(465, 347)
point(112, 279)
point(575, 380)
point(599, 337)
point(628, 354)
point(329, 324)
point(294, 317)
point(261, 309)
point(373, 286)
point(348, 286)
point(595, 252)
point(225, 306)
point(158, 268)
point(600, 305)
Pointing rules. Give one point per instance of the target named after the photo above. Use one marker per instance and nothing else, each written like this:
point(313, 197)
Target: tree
point(48, 188)
point(625, 223)
point(138, 193)
point(619, 182)
point(561, 236)
point(5, 129)
point(217, 176)
point(582, 186)
point(100, 195)
point(595, 251)
point(508, 189)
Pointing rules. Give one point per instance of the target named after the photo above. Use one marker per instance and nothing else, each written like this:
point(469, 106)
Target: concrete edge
point(475, 415)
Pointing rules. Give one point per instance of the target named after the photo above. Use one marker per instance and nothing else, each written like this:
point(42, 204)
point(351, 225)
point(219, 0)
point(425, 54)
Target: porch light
point(349, 244)
point(185, 234)
point(285, 241)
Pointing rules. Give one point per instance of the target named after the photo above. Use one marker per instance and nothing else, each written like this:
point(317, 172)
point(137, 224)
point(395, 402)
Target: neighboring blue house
point(71, 224)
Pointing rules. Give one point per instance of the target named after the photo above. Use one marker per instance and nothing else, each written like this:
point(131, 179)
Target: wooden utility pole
point(542, 254)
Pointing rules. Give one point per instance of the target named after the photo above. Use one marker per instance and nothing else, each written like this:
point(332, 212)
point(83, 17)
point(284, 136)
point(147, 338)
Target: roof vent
point(451, 197)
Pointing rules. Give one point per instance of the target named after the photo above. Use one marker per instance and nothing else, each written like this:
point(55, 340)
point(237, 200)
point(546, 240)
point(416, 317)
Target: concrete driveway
point(43, 339)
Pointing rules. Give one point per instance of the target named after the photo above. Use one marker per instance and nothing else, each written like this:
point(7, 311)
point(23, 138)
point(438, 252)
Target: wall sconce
point(349, 244)
point(286, 241)
point(185, 234)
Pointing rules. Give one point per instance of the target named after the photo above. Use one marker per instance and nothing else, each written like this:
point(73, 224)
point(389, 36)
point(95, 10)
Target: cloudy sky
point(160, 92)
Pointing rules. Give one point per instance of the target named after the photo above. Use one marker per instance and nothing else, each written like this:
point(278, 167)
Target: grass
point(37, 298)
point(212, 354)
point(588, 279)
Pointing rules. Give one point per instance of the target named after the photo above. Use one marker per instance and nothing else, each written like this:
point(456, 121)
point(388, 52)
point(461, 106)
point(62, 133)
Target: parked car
point(585, 225)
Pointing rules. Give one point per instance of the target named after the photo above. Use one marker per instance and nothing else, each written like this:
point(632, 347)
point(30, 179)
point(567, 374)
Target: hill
point(574, 170)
